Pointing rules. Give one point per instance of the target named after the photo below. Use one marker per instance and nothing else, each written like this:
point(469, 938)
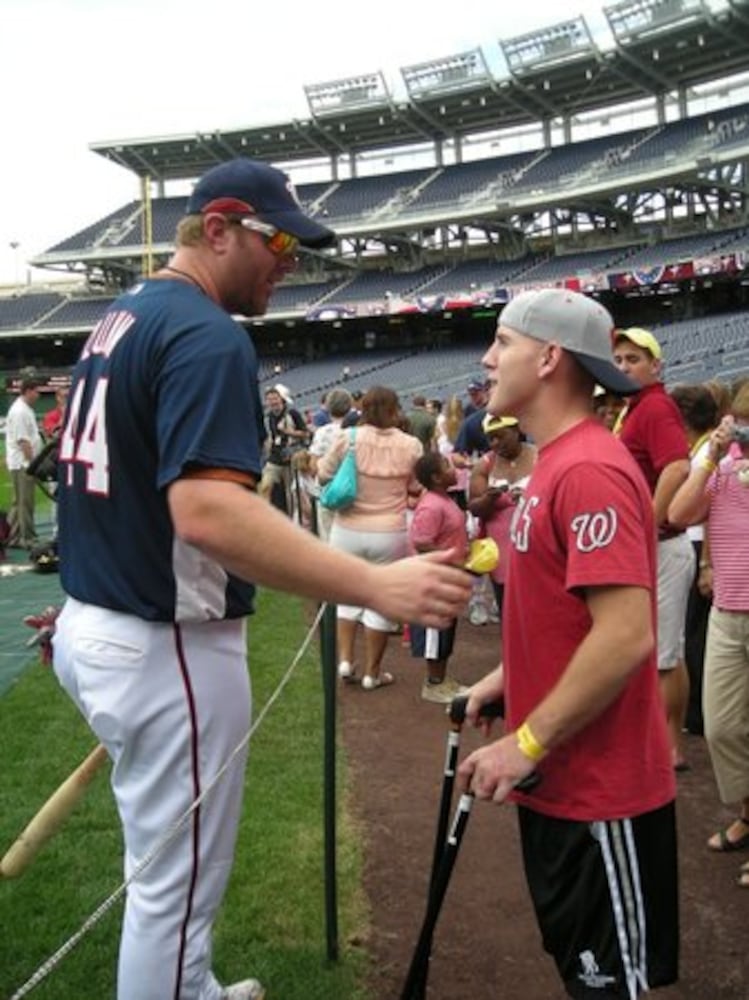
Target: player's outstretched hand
point(427, 589)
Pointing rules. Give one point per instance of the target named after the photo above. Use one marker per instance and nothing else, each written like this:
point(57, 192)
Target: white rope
point(46, 967)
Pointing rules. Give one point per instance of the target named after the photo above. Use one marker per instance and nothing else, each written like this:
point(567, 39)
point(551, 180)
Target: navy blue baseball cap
point(244, 187)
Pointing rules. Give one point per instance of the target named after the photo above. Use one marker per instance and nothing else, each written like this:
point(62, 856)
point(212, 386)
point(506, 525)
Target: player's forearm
point(614, 648)
point(255, 542)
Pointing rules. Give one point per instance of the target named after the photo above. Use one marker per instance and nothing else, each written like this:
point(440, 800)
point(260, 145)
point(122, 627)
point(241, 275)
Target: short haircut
point(428, 468)
point(419, 401)
point(338, 402)
point(189, 231)
point(698, 406)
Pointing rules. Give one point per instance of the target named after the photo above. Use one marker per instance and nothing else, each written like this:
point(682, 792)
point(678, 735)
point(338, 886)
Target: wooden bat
point(52, 815)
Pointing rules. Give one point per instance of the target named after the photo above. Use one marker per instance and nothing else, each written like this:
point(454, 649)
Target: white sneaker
point(248, 989)
point(478, 615)
point(442, 693)
point(345, 670)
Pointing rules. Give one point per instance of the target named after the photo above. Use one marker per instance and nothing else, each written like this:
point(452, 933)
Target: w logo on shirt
point(594, 531)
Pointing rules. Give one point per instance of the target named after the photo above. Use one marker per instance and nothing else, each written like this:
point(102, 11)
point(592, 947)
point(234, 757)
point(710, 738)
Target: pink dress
point(497, 526)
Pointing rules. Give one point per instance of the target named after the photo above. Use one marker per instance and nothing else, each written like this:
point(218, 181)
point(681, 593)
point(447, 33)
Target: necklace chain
point(184, 274)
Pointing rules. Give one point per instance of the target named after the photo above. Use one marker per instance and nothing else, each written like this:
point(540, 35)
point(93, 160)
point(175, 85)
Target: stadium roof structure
point(658, 47)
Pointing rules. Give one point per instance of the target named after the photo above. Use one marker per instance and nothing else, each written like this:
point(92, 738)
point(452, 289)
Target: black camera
point(740, 433)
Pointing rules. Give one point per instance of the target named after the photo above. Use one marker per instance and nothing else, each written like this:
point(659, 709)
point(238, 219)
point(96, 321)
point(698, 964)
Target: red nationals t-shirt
point(585, 520)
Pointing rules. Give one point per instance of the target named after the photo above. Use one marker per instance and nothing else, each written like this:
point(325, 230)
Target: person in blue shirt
point(162, 539)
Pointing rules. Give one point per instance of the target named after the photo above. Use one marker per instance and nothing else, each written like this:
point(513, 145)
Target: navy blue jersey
point(471, 435)
point(167, 382)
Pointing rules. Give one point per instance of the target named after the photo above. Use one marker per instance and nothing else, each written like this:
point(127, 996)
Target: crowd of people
point(569, 453)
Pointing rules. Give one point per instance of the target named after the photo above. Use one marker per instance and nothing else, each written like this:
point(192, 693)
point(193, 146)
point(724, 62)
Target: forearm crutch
point(447, 845)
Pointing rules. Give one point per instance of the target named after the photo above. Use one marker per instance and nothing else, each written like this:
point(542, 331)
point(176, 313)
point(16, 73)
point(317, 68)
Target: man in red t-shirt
point(52, 420)
point(579, 673)
point(652, 428)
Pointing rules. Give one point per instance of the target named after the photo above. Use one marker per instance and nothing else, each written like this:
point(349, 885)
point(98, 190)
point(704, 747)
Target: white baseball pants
point(170, 703)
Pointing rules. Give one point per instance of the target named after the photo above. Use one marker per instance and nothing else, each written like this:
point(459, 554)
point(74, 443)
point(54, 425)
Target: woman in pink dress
point(497, 483)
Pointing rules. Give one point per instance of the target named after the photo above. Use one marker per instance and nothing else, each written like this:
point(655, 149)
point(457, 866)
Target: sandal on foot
point(724, 843)
point(347, 671)
point(370, 683)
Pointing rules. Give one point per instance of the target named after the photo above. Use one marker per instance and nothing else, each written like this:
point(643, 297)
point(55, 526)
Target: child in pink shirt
point(437, 523)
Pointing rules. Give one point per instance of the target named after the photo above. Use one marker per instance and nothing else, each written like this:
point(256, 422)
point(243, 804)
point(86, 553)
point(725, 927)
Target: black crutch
point(446, 846)
point(456, 715)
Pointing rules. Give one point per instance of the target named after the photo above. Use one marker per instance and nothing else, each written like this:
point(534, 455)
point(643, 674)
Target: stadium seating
point(688, 247)
point(374, 286)
point(362, 196)
point(436, 373)
point(562, 266)
point(464, 181)
point(20, 311)
point(563, 164)
point(478, 274)
point(75, 314)
point(120, 226)
point(453, 227)
point(695, 350)
point(301, 297)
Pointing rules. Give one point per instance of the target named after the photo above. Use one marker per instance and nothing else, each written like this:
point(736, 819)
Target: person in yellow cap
point(579, 674)
point(497, 483)
point(653, 430)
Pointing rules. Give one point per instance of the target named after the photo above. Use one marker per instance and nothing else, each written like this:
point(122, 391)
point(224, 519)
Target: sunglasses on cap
point(277, 241)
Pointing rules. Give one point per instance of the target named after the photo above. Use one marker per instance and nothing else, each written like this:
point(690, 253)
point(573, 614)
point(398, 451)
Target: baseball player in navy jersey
point(161, 540)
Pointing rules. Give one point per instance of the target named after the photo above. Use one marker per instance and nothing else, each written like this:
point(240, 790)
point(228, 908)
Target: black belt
point(665, 533)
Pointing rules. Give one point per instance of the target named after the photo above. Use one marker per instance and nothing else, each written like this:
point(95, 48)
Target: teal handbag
point(340, 492)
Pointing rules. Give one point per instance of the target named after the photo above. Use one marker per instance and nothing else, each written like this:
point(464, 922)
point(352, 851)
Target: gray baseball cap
point(578, 324)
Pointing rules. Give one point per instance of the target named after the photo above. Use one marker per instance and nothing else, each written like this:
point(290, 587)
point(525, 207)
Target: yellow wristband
point(708, 465)
point(529, 745)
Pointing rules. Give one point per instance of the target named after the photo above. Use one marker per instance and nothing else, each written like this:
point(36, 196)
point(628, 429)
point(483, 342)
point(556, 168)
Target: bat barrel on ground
point(52, 815)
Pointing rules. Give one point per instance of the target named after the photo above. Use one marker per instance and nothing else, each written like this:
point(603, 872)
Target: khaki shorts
point(675, 575)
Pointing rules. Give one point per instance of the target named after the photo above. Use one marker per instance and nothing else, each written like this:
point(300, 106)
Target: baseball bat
point(52, 815)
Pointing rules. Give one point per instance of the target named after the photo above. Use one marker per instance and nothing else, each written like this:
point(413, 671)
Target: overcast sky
point(73, 72)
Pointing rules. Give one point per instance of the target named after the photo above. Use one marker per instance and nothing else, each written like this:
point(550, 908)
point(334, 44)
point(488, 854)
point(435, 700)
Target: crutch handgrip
point(491, 710)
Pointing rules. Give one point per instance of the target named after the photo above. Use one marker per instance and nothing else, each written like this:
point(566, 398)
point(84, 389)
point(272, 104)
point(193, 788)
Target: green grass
point(272, 923)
